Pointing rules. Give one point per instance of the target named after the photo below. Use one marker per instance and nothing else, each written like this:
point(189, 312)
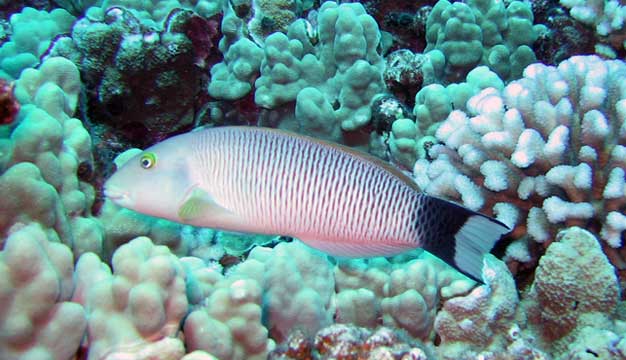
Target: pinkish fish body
point(330, 197)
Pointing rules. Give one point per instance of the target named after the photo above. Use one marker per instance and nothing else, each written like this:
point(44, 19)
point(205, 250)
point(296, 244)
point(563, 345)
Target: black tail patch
point(457, 235)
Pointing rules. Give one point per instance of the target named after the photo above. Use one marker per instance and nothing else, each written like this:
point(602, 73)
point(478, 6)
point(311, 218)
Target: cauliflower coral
point(545, 152)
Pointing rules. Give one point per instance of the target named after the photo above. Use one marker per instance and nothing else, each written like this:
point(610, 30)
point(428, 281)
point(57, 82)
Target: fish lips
point(118, 196)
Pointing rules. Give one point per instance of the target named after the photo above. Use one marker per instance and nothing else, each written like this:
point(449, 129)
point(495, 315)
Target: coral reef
point(408, 140)
point(542, 147)
point(461, 36)
point(233, 78)
point(484, 315)
point(349, 342)
point(45, 151)
point(332, 81)
point(404, 294)
point(544, 152)
point(406, 72)
point(564, 36)
point(404, 21)
point(574, 295)
point(9, 106)
point(575, 259)
point(231, 317)
point(32, 33)
point(269, 17)
point(152, 13)
point(38, 318)
point(607, 17)
point(310, 297)
point(135, 72)
point(136, 308)
point(435, 102)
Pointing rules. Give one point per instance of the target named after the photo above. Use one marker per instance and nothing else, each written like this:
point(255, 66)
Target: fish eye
point(147, 160)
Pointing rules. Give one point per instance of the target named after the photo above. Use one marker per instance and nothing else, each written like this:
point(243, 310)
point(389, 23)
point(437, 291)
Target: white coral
point(556, 153)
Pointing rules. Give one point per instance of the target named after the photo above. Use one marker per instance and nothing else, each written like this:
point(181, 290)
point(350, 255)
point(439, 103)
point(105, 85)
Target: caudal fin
point(459, 236)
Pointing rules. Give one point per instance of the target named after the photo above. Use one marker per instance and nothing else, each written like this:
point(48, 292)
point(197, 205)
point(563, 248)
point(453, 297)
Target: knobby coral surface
point(545, 152)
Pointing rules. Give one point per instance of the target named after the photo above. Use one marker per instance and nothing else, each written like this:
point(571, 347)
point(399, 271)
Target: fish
point(339, 200)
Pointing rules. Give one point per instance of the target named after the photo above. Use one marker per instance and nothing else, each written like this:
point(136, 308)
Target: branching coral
point(303, 300)
point(408, 140)
point(545, 152)
point(122, 225)
point(397, 294)
point(606, 16)
point(27, 197)
point(433, 103)
point(411, 299)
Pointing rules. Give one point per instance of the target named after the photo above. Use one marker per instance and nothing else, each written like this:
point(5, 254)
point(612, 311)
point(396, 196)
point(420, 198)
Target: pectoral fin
point(200, 205)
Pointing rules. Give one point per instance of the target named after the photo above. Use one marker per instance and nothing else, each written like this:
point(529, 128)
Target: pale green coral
point(461, 36)
point(403, 142)
point(433, 103)
point(409, 140)
point(48, 136)
point(77, 7)
point(233, 78)
point(33, 31)
point(403, 292)
point(286, 70)
point(342, 70)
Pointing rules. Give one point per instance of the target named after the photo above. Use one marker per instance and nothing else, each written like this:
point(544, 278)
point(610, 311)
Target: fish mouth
point(117, 196)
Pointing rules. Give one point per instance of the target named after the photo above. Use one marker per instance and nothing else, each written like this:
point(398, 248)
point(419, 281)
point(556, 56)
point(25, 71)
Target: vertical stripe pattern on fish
point(331, 197)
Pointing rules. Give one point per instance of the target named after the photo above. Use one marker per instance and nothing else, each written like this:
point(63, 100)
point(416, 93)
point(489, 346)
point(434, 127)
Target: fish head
point(153, 182)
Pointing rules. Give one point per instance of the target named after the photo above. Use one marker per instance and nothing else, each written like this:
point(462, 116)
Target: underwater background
point(514, 109)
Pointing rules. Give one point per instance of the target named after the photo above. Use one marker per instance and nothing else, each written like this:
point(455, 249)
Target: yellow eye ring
point(147, 160)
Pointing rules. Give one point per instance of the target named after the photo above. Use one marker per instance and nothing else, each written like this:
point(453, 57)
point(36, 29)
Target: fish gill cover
point(497, 106)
